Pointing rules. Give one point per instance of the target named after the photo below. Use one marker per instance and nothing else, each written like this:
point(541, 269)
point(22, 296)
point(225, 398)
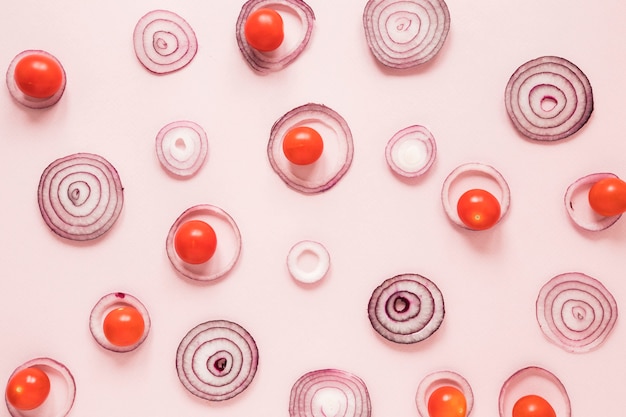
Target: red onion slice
point(62, 389)
point(228, 249)
point(411, 151)
point(182, 147)
point(576, 312)
point(217, 360)
point(578, 208)
point(164, 42)
point(329, 392)
point(404, 34)
point(335, 160)
point(548, 98)
point(33, 102)
point(407, 308)
point(297, 36)
point(439, 379)
point(80, 196)
point(298, 267)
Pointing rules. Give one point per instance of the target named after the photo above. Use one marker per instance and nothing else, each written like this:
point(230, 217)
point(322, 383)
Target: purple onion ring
point(411, 151)
point(33, 102)
point(439, 379)
point(182, 148)
point(578, 208)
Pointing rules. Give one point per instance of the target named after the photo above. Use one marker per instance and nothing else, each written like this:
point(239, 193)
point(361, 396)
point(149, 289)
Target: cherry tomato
point(38, 76)
point(478, 209)
point(533, 406)
point(195, 242)
point(447, 401)
point(303, 145)
point(264, 30)
point(28, 389)
point(123, 326)
point(607, 197)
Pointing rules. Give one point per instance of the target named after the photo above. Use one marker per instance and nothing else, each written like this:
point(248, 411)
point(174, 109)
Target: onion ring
point(182, 148)
point(439, 379)
point(411, 151)
point(576, 312)
point(80, 196)
point(329, 392)
point(407, 308)
point(405, 34)
point(322, 261)
point(164, 42)
point(335, 160)
point(548, 98)
point(217, 360)
point(580, 212)
point(28, 101)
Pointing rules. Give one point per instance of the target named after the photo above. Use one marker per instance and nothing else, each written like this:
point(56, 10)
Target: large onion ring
point(329, 392)
point(164, 42)
point(411, 151)
point(576, 312)
point(80, 196)
point(335, 160)
point(578, 208)
point(28, 101)
point(182, 147)
point(438, 379)
point(320, 268)
point(407, 308)
point(217, 360)
point(548, 98)
point(404, 34)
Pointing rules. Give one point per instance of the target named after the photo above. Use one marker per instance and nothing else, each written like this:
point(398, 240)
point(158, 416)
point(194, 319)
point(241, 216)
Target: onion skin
point(438, 379)
point(595, 223)
point(33, 102)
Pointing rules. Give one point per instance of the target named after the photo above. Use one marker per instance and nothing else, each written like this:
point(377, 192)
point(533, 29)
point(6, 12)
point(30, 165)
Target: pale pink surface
point(374, 225)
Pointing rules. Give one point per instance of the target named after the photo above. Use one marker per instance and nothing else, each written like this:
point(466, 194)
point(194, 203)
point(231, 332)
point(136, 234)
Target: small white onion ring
point(578, 208)
point(182, 147)
point(576, 312)
point(411, 151)
point(164, 42)
point(322, 261)
point(548, 98)
point(80, 196)
point(33, 102)
point(217, 360)
point(439, 379)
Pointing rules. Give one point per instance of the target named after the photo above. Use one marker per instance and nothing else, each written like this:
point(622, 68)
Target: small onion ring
point(329, 392)
point(164, 42)
point(53, 406)
point(103, 307)
point(411, 151)
point(80, 196)
point(576, 312)
point(217, 360)
point(554, 81)
point(28, 101)
point(407, 308)
point(182, 147)
point(582, 214)
point(266, 62)
point(405, 34)
point(322, 261)
point(331, 167)
point(439, 379)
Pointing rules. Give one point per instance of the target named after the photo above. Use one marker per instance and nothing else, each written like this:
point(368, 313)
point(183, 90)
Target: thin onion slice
point(228, 247)
point(308, 274)
point(411, 151)
point(62, 389)
point(439, 379)
point(182, 147)
point(80, 196)
point(407, 308)
point(334, 161)
point(164, 42)
point(329, 392)
point(548, 98)
point(103, 307)
point(578, 208)
point(576, 312)
point(296, 38)
point(405, 34)
point(28, 101)
point(217, 360)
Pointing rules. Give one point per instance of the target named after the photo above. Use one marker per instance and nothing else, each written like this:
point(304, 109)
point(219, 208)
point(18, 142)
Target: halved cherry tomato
point(28, 389)
point(38, 75)
point(447, 401)
point(533, 406)
point(123, 326)
point(478, 209)
point(195, 242)
point(607, 197)
point(303, 145)
point(264, 30)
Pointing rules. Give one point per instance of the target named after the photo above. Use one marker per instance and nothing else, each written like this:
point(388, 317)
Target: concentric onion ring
point(407, 308)
point(578, 208)
point(576, 312)
point(411, 151)
point(548, 98)
point(329, 392)
point(80, 196)
point(164, 42)
point(439, 379)
point(295, 40)
point(33, 102)
point(217, 360)
point(335, 160)
point(320, 268)
point(182, 147)
point(404, 34)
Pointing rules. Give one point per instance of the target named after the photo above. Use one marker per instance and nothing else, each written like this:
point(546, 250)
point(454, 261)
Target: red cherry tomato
point(478, 209)
point(123, 326)
point(38, 76)
point(607, 197)
point(533, 406)
point(28, 389)
point(195, 242)
point(447, 401)
point(303, 145)
point(264, 30)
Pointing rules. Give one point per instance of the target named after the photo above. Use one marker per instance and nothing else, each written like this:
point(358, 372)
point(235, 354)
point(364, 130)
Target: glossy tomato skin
point(447, 401)
point(28, 388)
point(264, 30)
point(38, 75)
point(195, 242)
point(123, 326)
point(478, 209)
point(607, 197)
point(303, 145)
point(533, 406)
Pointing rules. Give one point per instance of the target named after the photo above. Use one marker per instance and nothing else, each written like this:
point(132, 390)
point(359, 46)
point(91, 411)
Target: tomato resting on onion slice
point(303, 145)
point(607, 197)
point(264, 30)
point(124, 326)
point(195, 242)
point(447, 401)
point(478, 209)
point(28, 389)
point(533, 406)
point(38, 75)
